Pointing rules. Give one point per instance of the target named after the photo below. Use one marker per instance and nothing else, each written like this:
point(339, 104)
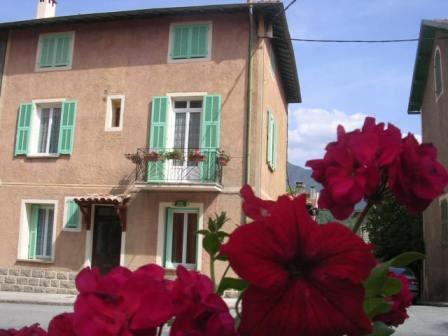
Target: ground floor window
point(37, 231)
point(181, 238)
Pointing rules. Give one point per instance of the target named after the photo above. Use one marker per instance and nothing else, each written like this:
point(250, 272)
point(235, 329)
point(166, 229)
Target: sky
point(340, 83)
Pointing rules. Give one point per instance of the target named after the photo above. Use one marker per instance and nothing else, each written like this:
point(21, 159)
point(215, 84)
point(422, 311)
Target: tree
point(393, 230)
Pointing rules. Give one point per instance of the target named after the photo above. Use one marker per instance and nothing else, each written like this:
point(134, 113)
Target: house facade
point(112, 128)
point(429, 97)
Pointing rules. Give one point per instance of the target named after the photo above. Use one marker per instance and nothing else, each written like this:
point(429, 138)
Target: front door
point(106, 239)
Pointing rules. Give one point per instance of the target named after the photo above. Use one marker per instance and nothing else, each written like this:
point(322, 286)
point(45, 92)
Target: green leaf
point(212, 225)
point(232, 283)
point(391, 286)
point(376, 306)
point(221, 235)
point(406, 258)
point(380, 329)
point(221, 257)
point(211, 244)
point(375, 282)
point(203, 232)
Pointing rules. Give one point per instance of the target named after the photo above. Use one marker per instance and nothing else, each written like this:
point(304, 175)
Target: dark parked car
point(413, 282)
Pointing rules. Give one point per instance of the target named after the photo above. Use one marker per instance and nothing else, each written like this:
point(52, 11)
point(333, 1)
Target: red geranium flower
point(351, 167)
point(304, 278)
point(121, 303)
point(416, 177)
point(33, 330)
point(400, 303)
point(199, 310)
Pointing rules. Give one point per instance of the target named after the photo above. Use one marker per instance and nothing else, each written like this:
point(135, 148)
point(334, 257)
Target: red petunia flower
point(253, 206)
point(400, 303)
point(199, 310)
point(304, 278)
point(416, 177)
point(62, 325)
point(351, 167)
point(33, 330)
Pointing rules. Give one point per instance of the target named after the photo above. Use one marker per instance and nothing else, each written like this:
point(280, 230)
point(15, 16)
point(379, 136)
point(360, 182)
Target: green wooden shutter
point(181, 42)
point(168, 261)
point(438, 72)
point(157, 137)
point(73, 215)
point(270, 138)
point(274, 145)
point(210, 134)
point(33, 231)
point(63, 50)
point(199, 41)
point(67, 129)
point(47, 51)
point(444, 220)
point(23, 129)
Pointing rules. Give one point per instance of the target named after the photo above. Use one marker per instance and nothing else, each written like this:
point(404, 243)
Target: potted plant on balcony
point(133, 157)
point(196, 156)
point(176, 154)
point(223, 158)
point(152, 155)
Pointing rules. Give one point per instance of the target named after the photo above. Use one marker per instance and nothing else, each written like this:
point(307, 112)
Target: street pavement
point(423, 321)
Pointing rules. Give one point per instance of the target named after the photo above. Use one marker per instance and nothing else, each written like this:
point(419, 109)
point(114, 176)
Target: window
point(114, 113)
point(72, 215)
point(45, 128)
point(37, 229)
point(438, 77)
point(272, 142)
point(181, 238)
point(55, 51)
point(190, 41)
point(444, 220)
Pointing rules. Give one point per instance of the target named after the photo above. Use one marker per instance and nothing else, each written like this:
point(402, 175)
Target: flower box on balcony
point(152, 156)
point(133, 157)
point(223, 158)
point(196, 156)
point(174, 155)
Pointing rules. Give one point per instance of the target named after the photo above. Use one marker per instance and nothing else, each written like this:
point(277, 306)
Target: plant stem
point(237, 304)
point(224, 274)
point(212, 270)
point(160, 330)
point(361, 217)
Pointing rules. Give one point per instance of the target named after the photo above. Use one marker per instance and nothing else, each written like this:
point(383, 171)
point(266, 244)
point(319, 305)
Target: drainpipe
point(249, 92)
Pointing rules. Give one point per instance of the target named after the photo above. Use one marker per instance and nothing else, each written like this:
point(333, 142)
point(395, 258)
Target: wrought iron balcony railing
point(177, 165)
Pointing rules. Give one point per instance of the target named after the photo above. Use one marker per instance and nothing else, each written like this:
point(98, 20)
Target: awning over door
point(118, 201)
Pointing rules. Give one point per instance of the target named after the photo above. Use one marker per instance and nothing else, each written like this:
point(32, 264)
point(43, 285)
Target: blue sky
point(341, 83)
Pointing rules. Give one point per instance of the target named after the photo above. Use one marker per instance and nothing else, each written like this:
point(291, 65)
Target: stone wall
point(34, 280)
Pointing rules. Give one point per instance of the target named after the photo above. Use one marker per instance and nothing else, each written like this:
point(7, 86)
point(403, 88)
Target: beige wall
point(435, 126)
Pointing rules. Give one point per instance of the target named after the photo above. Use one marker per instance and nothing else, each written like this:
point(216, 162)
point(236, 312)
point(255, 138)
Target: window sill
point(71, 230)
point(188, 60)
point(42, 156)
point(36, 261)
point(53, 69)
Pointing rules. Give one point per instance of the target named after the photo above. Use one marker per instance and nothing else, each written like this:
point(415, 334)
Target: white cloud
point(311, 129)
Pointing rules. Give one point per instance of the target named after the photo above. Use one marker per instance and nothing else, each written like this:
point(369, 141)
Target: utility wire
point(285, 9)
point(361, 41)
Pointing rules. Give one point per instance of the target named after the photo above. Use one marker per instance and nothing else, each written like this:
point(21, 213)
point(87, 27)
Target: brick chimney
point(46, 9)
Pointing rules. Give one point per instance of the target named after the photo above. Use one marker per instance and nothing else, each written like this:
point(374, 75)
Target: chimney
point(46, 9)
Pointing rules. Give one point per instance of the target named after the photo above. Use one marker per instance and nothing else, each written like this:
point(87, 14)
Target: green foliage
point(380, 329)
point(393, 230)
point(231, 283)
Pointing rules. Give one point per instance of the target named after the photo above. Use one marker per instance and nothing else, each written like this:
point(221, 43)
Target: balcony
point(178, 169)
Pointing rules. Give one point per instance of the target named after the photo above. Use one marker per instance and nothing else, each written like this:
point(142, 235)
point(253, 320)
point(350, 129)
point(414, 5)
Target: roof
point(121, 199)
point(423, 59)
point(272, 11)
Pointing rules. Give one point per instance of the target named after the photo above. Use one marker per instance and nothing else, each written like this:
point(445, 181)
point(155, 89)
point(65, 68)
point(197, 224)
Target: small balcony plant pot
point(196, 156)
point(153, 156)
point(174, 155)
point(223, 158)
point(133, 157)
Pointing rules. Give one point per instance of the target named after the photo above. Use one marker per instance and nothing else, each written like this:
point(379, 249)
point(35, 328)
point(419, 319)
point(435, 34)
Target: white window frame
point(39, 48)
point(64, 220)
point(437, 50)
point(109, 113)
point(190, 60)
point(25, 215)
point(35, 126)
point(161, 231)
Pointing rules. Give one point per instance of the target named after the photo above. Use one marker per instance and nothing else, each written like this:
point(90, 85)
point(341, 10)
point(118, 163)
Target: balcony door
point(186, 138)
